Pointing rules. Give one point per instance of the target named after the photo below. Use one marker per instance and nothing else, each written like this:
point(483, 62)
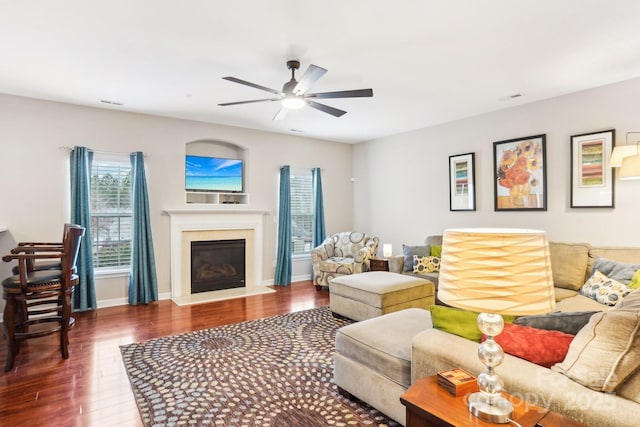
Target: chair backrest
point(348, 243)
point(71, 249)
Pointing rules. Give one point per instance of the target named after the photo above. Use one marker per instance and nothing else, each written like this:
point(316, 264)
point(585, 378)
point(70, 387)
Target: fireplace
point(222, 224)
point(217, 265)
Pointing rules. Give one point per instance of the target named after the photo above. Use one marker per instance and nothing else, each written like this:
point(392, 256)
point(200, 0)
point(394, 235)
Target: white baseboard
point(114, 302)
point(300, 278)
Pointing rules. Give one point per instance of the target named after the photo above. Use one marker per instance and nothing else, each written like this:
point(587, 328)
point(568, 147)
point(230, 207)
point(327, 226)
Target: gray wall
point(34, 172)
point(402, 187)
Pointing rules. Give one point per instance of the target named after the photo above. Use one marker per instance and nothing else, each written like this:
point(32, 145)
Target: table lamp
point(495, 271)
point(387, 250)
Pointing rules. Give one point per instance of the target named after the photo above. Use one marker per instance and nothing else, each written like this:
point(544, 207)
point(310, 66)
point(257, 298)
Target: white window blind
point(301, 213)
point(111, 213)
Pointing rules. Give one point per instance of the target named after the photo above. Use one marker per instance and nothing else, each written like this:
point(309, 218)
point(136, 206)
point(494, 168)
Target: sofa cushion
point(384, 343)
point(603, 289)
point(569, 263)
point(409, 251)
point(340, 265)
point(605, 352)
point(426, 264)
point(463, 323)
point(580, 303)
point(569, 323)
point(630, 389)
point(618, 253)
point(562, 293)
point(621, 271)
point(539, 346)
point(381, 289)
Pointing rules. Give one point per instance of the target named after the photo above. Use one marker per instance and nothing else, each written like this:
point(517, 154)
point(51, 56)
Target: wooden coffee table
point(428, 404)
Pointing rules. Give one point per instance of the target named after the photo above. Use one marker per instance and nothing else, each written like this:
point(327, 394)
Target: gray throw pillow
point(569, 322)
point(621, 271)
point(410, 251)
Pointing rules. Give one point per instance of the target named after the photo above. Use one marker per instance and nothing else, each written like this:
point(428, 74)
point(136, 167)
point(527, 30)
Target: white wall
point(402, 188)
point(34, 173)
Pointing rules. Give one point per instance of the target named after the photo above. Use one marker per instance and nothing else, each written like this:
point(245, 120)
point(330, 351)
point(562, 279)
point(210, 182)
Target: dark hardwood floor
point(91, 388)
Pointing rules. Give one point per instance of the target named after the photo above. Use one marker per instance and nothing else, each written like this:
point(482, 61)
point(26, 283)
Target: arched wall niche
point(209, 147)
point(217, 148)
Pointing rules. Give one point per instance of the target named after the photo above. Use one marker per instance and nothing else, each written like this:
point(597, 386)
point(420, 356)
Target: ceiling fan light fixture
point(293, 102)
point(294, 94)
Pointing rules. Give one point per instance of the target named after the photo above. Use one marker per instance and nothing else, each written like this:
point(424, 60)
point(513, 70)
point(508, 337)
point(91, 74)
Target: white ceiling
point(428, 61)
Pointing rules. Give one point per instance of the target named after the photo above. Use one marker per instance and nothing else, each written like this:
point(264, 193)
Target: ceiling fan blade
point(248, 102)
point(326, 109)
point(309, 77)
point(281, 114)
point(246, 83)
point(357, 93)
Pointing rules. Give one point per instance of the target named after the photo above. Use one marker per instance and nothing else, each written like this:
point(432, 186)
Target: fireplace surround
point(197, 225)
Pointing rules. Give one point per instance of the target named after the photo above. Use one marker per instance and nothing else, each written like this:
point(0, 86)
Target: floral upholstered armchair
point(341, 254)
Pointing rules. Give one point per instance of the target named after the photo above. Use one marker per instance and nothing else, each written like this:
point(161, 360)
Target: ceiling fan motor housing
point(293, 64)
point(289, 86)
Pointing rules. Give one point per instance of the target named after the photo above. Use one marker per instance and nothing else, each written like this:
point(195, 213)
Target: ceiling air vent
point(106, 101)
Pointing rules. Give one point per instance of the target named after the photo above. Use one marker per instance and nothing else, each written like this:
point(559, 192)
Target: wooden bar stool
point(41, 297)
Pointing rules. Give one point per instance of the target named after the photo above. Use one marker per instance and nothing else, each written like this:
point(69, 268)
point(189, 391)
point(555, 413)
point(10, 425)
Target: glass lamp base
point(498, 410)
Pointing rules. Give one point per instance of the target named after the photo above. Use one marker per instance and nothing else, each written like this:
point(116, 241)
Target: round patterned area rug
point(270, 372)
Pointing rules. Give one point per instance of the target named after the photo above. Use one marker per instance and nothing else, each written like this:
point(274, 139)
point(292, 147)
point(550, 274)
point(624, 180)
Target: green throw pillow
point(459, 322)
point(436, 250)
point(635, 281)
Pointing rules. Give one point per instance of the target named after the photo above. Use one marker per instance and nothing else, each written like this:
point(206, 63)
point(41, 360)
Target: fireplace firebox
point(217, 265)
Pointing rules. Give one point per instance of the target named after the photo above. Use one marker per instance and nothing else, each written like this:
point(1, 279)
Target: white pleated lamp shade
point(620, 152)
point(496, 270)
point(630, 167)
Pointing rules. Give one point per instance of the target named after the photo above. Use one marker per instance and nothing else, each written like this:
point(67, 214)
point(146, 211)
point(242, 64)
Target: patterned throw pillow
point(603, 289)
point(426, 264)
point(410, 251)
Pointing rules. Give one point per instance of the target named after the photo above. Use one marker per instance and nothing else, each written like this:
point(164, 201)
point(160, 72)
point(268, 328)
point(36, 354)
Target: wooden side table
point(378, 264)
point(428, 404)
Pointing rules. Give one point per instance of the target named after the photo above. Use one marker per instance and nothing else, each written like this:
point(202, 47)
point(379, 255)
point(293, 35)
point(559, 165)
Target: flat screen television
point(213, 174)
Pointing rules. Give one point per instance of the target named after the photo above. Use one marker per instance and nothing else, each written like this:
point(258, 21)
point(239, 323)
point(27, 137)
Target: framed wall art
point(462, 182)
point(520, 177)
point(592, 183)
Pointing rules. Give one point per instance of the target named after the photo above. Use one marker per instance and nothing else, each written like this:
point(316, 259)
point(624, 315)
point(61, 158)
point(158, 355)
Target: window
point(301, 213)
point(111, 212)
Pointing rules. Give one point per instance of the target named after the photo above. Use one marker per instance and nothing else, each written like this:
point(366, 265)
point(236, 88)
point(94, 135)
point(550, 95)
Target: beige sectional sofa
point(572, 264)
point(377, 359)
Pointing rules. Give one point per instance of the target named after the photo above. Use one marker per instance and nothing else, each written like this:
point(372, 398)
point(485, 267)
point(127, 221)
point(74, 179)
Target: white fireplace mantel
point(198, 223)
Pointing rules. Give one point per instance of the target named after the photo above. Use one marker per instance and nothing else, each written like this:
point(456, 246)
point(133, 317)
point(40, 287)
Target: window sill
point(105, 274)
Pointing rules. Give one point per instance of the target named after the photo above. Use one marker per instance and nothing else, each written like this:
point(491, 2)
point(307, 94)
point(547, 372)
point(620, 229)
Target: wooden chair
point(38, 302)
point(32, 265)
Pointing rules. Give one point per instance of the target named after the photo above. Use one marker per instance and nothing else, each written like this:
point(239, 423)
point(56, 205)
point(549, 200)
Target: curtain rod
point(69, 149)
point(301, 168)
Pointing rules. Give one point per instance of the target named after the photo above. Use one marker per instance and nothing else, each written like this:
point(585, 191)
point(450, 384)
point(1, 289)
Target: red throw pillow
point(539, 346)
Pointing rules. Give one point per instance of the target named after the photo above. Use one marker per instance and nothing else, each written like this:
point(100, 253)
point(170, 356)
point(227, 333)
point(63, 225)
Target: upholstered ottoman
point(372, 360)
point(366, 295)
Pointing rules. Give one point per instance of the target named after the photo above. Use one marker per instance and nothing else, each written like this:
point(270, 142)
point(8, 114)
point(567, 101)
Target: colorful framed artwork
point(592, 183)
point(520, 174)
point(462, 183)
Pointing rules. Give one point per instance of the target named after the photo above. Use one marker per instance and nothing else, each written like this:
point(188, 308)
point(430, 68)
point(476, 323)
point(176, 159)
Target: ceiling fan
point(294, 93)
